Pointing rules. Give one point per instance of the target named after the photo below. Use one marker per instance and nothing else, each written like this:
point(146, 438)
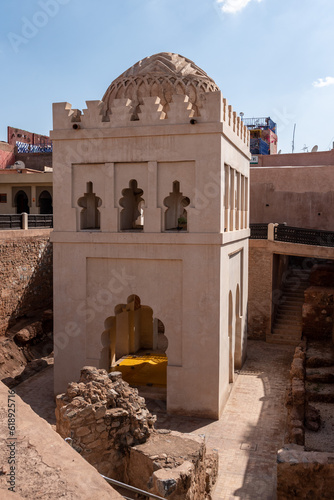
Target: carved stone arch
point(133, 330)
point(176, 213)
point(90, 214)
point(132, 203)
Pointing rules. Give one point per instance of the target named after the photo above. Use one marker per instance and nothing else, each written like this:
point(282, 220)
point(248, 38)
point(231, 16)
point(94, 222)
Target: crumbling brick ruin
point(113, 430)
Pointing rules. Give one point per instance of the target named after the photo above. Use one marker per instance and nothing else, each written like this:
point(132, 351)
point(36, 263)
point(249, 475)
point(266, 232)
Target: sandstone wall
point(302, 474)
point(259, 292)
point(26, 274)
point(36, 161)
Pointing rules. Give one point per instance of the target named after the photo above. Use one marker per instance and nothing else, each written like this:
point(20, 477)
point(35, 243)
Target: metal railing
point(258, 231)
point(290, 234)
point(16, 221)
point(304, 236)
point(10, 221)
point(40, 220)
point(132, 488)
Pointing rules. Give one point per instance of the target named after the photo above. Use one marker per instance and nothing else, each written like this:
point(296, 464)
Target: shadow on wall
point(38, 293)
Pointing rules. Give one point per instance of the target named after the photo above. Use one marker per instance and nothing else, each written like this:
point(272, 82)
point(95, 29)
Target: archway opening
point(176, 213)
point(138, 346)
point(230, 338)
point(45, 202)
point(132, 214)
point(238, 322)
point(21, 202)
point(90, 214)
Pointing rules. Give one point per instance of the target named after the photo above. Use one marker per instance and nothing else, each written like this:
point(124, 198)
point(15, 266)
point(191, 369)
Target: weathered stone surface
point(46, 466)
point(26, 277)
point(173, 465)
point(104, 416)
point(120, 441)
point(302, 474)
point(32, 331)
point(318, 312)
point(297, 368)
point(312, 418)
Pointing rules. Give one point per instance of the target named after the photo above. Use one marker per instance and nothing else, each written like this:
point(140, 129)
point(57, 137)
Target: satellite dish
point(314, 149)
point(19, 165)
point(280, 151)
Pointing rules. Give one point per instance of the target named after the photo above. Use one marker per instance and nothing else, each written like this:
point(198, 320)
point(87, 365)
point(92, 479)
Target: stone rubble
point(111, 427)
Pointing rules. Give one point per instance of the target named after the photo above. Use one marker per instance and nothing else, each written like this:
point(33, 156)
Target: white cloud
point(324, 82)
point(233, 6)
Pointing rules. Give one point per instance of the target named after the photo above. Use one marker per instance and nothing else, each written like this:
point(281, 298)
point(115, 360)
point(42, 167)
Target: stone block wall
point(259, 292)
point(318, 310)
point(304, 474)
point(26, 274)
point(111, 427)
point(103, 415)
point(295, 400)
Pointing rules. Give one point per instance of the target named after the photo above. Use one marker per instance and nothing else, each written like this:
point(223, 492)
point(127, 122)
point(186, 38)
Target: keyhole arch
point(132, 203)
point(90, 214)
point(176, 216)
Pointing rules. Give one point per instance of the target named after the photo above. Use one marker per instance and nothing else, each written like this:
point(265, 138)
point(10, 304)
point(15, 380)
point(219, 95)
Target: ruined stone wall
point(111, 427)
point(103, 415)
point(304, 474)
point(26, 274)
point(259, 292)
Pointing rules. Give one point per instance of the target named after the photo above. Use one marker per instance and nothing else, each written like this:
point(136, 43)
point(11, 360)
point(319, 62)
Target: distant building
point(263, 135)
point(25, 173)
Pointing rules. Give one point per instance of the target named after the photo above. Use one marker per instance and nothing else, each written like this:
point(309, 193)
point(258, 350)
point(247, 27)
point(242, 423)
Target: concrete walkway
point(252, 427)
point(248, 434)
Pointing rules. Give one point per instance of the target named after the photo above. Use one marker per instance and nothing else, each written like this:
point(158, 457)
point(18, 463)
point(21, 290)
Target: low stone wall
point(295, 400)
point(112, 429)
point(304, 474)
point(26, 274)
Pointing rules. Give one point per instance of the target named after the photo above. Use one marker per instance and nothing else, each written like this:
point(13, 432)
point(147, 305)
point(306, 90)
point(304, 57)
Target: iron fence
point(258, 231)
point(304, 236)
point(41, 220)
point(15, 221)
point(10, 221)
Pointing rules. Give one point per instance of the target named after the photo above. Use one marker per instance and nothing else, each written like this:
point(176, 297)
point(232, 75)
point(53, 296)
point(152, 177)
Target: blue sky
point(269, 57)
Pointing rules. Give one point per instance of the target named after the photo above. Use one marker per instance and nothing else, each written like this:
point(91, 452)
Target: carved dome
point(160, 75)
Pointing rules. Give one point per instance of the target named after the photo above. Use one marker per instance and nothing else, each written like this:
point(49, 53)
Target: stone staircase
point(287, 327)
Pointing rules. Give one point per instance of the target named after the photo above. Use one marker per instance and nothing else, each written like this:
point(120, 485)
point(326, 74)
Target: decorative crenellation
point(121, 114)
point(151, 112)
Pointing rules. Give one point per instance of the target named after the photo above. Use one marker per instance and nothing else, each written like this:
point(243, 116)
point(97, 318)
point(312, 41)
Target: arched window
point(176, 214)
point(45, 202)
point(132, 215)
point(21, 202)
point(90, 215)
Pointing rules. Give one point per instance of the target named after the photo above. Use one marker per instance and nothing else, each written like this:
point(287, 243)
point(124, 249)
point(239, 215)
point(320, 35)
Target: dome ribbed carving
point(160, 75)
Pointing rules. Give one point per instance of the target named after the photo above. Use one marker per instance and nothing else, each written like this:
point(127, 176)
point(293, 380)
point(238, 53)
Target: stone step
point(287, 333)
point(319, 392)
point(323, 375)
point(283, 339)
point(287, 323)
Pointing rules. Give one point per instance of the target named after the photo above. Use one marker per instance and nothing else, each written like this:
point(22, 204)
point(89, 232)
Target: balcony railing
point(17, 221)
point(289, 234)
point(258, 231)
point(304, 236)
